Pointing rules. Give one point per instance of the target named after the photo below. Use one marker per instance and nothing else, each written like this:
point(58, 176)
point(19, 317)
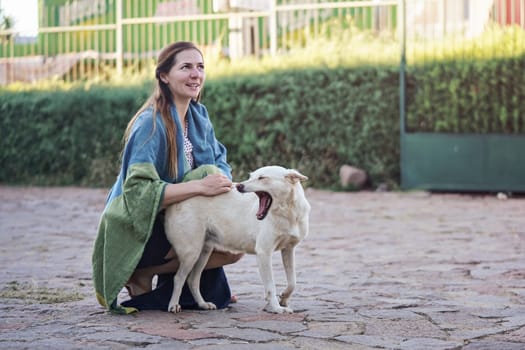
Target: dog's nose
point(240, 188)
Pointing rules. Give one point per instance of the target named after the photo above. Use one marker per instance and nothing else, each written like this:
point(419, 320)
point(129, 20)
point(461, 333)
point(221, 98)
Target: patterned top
point(188, 147)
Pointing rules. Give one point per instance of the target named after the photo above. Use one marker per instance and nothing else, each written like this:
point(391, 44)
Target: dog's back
point(228, 221)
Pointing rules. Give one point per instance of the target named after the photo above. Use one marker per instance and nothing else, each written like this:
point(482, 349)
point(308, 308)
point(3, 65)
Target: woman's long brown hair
point(161, 100)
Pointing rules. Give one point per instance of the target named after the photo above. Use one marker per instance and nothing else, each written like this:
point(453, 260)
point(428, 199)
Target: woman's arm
point(211, 185)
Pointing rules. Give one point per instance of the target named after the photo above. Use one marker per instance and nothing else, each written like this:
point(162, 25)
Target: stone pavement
point(378, 271)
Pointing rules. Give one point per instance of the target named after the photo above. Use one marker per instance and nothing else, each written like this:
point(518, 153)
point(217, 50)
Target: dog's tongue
point(264, 204)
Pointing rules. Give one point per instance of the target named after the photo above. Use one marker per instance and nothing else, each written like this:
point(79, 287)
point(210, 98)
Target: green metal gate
point(478, 146)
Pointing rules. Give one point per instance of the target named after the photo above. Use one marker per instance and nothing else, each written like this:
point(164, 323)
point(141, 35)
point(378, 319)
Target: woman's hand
point(215, 184)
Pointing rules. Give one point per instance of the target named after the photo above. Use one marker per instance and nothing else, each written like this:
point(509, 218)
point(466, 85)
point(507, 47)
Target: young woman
point(170, 154)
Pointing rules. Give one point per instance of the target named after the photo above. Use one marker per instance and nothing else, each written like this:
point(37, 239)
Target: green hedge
point(314, 120)
point(478, 96)
point(61, 137)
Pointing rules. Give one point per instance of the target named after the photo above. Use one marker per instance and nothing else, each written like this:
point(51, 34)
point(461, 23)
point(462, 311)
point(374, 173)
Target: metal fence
point(86, 39)
point(80, 39)
point(462, 123)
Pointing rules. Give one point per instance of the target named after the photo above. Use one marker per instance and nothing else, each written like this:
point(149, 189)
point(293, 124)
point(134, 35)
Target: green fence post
point(402, 83)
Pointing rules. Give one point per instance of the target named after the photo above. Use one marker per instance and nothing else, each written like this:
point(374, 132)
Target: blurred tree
point(6, 23)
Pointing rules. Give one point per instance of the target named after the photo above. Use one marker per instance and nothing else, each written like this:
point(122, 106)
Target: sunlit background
point(24, 14)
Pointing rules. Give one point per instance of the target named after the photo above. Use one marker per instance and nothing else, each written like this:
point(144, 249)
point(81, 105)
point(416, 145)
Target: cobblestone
point(390, 270)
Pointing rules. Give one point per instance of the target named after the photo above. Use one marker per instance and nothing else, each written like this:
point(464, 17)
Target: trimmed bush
point(480, 96)
point(55, 138)
point(314, 120)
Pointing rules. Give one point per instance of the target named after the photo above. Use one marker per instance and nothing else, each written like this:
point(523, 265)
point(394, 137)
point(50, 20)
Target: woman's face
point(187, 76)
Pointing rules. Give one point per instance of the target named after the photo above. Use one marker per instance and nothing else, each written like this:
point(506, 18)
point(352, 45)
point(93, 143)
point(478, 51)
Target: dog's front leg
point(264, 260)
point(178, 283)
point(288, 258)
point(187, 261)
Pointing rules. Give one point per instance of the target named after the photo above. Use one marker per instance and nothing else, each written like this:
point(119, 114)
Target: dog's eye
point(262, 177)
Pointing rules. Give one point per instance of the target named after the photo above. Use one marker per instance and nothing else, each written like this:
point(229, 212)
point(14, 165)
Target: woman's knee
point(220, 258)
point(235, 257)
point(201, 172)
point(230, 258)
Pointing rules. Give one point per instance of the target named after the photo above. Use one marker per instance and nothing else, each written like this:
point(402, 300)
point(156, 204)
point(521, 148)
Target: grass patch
point(32, 293)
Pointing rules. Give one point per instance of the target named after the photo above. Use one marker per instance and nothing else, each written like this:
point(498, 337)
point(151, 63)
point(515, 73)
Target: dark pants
point(157, 247)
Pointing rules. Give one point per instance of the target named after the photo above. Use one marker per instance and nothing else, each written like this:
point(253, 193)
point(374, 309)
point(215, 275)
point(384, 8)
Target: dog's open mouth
point(265, 201)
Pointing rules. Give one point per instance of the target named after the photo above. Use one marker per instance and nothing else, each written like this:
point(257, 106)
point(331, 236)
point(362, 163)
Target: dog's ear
point(294, 176)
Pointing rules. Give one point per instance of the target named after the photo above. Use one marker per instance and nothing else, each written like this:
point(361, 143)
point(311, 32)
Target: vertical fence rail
point(118, 37)
point(402, 68)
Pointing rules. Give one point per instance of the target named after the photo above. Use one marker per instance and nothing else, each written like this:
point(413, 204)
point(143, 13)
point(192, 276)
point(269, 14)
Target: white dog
point(268, 212)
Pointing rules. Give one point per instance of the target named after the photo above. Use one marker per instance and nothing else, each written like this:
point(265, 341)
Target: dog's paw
point(208, 306)
point(287, 310)
point(283, 301)
point(174, 308)
point(278, 309)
